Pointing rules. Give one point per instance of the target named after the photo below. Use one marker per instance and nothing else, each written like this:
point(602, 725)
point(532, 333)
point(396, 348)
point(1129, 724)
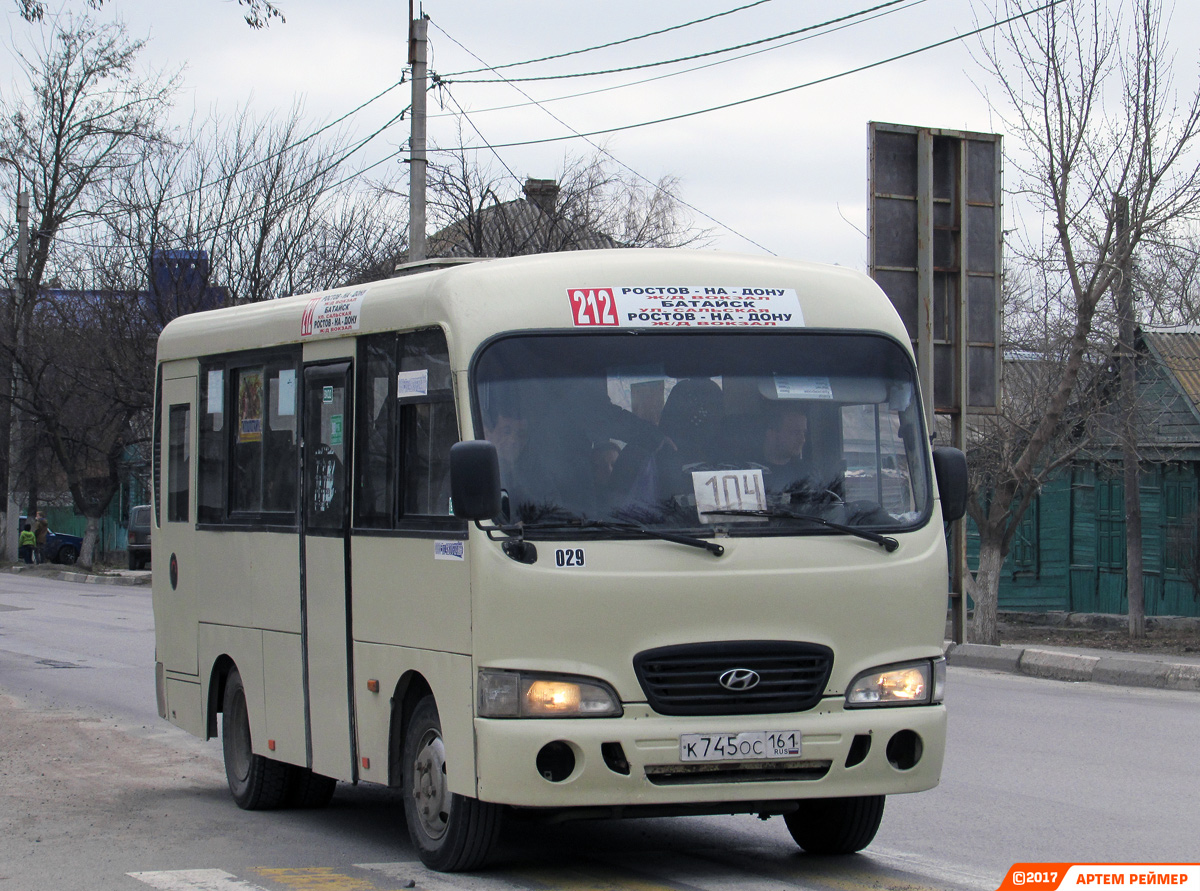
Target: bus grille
point(753, 772)
point(686, 679)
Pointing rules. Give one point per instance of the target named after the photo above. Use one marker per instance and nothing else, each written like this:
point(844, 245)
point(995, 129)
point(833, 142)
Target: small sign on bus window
point(802, 387)
point(728, 490)
point(412, 383)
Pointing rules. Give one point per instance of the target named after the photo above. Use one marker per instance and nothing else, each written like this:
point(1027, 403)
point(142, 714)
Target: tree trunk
point(1133, 547)
point(987, 590)
point(87, 550)
point(1134, 587)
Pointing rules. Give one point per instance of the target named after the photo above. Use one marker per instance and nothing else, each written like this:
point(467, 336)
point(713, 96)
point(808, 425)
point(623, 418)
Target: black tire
point(256, 783)
point(451, 832)
point(836, 825)
point(306, 789)
point(66, 555)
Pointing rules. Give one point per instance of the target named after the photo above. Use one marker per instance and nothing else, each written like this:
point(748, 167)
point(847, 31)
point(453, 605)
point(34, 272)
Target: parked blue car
point(61, 547)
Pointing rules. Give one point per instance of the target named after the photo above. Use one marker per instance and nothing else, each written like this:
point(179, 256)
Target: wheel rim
point(429, 792)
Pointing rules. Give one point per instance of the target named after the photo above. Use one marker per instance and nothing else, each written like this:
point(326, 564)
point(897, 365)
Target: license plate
point(751, 745)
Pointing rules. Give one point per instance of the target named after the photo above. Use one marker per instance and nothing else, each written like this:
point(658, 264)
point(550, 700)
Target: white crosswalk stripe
point(194, 880)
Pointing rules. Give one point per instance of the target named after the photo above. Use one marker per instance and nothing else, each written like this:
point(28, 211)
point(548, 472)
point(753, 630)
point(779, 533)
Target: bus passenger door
point(325, 570)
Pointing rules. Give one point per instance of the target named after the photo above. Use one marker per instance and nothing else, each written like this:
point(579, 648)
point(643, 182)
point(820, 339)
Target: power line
point(812, 83)
point(605, 152)
point(319, 170)
point(909, 4)
point(467, 117)
point(693, 57)
point(613, 43)
point(294, 145)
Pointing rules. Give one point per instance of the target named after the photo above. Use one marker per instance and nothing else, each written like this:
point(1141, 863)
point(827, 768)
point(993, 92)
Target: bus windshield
point(751, 432)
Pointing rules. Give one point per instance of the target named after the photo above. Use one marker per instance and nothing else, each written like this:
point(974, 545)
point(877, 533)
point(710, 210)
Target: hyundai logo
point(739, 679)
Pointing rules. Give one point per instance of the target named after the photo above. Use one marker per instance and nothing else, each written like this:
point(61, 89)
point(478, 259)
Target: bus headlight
point(912, 683)
point(516, 694)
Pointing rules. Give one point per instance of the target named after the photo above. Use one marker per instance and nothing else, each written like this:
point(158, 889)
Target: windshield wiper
point(612, 526)
point(886, 542)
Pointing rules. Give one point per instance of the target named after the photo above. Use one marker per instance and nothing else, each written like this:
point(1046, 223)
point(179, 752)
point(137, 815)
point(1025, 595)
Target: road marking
point(414, 871)
point(649, 872)
point(320, 878)
point(934, 869)
point(194, 880)
point(593, 877)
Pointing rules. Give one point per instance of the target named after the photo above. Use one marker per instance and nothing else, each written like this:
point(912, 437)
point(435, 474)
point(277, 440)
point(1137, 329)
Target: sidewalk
point(1081, 664)
point(108, 577)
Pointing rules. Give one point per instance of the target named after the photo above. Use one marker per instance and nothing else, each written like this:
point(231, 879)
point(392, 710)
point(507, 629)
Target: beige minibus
point(589, 534)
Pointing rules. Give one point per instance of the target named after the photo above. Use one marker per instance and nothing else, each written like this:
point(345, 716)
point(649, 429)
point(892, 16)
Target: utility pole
point(15, 313)
point(1127, 368)
point(417, 58)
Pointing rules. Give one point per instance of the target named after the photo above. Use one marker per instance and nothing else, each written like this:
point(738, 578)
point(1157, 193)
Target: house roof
point(1178, 350)
point(534, 224)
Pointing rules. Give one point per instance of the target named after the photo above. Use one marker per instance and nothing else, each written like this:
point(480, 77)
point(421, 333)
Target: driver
point(782, 453)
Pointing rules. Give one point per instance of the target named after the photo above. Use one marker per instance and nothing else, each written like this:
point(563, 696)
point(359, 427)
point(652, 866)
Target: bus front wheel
point(256, 782)
point(451, 832)
point(836, 825)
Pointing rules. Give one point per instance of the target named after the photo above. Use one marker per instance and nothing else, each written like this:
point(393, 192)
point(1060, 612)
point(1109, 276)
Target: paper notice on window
point(412, 383)
point(728, 490)
point(287, 393)
point(803, 388)
point(216, 392)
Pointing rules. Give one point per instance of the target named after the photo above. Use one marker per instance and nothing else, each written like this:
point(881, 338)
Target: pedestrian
point(26, 544)
point(40, 528)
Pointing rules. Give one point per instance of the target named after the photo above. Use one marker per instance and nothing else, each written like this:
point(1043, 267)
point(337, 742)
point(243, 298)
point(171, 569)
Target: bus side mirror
point(475, 479)
point(950, 468)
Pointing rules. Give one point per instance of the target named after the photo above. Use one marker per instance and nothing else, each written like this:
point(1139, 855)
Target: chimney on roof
point(543, 193)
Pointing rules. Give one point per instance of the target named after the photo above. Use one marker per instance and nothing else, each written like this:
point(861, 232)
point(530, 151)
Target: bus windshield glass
point(751, 432)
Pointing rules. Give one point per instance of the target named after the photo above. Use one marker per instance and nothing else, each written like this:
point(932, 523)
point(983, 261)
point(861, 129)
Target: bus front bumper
point(635, 760)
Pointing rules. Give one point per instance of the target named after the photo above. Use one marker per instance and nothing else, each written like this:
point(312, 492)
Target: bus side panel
point(245, 647)
point(284, 690)
point(404, 596)
point(251, 578)
point(449, 676)
point(185, 706)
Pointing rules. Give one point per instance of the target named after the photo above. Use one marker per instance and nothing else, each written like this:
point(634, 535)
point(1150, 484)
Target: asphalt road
point(101, 795)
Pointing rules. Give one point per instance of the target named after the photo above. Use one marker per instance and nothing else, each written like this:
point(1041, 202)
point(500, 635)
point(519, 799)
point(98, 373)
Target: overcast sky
point(788, 173)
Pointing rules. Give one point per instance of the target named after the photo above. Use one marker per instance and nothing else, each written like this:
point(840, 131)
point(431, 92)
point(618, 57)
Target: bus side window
point(429, 425)
point(248, 449)
point(407, 423)
point(212, 457)
point(179, 427)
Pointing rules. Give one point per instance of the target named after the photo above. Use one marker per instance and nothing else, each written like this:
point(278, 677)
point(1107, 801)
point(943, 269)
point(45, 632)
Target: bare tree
point(275, 211)
point(85, 118)
point(1092, 105)
point(257, 14)
point(591, 204)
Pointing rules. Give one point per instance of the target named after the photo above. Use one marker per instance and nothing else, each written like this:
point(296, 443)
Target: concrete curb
point(1124, 671)
point(87, 578)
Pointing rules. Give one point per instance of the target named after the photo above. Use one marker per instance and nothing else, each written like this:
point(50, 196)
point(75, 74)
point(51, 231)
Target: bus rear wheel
point(451, 832)
point(256, 783)
point(836, 825)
